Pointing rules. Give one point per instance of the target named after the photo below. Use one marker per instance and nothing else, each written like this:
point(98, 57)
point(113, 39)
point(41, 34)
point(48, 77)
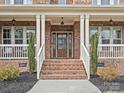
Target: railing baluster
point(13, 51)
point(111, 51)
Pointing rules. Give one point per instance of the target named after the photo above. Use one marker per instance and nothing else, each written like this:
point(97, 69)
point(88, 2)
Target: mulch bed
point(116, 85)
point(22, 84)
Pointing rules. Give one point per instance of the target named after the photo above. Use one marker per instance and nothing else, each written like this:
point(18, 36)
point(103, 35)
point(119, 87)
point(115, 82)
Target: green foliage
point(31, 52)
point(9, 72)
point(93, 52)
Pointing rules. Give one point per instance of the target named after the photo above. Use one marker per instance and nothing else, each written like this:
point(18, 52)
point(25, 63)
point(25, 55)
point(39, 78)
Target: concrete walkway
point(64, 86)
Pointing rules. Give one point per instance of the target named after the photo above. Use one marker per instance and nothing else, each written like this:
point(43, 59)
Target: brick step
point(62, 68)
point(70, 72)
point(46, 77)
point(61, 63)
point(63, 60)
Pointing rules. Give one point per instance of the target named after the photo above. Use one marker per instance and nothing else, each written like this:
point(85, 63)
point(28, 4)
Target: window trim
point(6, 27)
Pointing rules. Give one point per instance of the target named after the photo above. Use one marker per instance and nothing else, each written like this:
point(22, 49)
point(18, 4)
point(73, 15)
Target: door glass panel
point(62, 45)
point(54, 45)
point(70, 45)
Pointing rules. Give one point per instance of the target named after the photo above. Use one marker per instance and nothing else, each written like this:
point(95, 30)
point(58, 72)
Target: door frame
point(51, 46)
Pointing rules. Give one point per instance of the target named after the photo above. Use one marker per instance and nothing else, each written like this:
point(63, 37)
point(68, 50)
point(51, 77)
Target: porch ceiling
point(66, 19)
point(106, 18)
point(18, 18)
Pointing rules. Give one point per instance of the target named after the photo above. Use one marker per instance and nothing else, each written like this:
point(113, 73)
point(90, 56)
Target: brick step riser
point(62, 68)
point(62, 73)
point(59, 78)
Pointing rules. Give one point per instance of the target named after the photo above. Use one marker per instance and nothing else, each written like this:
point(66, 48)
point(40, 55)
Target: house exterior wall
point(15, 63)
point(77, 40)
point(47, 40)
point(2, 1)
point(114, 63)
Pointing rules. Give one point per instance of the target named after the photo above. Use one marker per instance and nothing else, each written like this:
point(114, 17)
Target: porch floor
point(64, 86)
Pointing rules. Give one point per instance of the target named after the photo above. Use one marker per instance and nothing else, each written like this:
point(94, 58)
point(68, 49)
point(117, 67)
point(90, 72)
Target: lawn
point(22, 84)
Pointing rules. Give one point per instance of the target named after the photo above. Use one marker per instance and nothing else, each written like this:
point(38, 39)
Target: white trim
point(81, 34)
point(24, 35)
point(12, 35)
point(87, 31)
point(43, 32)
point(38, 32)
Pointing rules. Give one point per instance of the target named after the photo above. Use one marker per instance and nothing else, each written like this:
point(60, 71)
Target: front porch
point(61, 41)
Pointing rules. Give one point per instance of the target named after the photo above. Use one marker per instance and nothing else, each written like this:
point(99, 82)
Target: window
point(105, 35)
point(94, 2)
point(29, 30)
point(93, 30)
point(115, 2)
point(105, 2)
point(6, 36)
point(18, 1)
point(29, 2)
point(7, 1)
point(116, 35)
point(18, 36)
point(62, 1)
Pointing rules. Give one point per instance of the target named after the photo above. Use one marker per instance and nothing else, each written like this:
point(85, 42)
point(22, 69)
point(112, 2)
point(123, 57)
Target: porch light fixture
point(13, 21)
point(111, 21)
point(62, 23)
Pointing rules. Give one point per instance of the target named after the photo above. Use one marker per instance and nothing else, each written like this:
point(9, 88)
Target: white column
point(87, 31)
point(43, 32)
point(13, 35)
point(81, 34)
point(24, 35)
point(38, 32)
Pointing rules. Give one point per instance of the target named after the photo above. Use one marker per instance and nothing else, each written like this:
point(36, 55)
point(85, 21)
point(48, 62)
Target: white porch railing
point(86, 60)
point(14, 51)
point(40, 59)
point(111, 51)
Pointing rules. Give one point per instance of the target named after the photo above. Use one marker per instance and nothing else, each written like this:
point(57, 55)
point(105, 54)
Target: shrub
point(9, 72)
point(107, 73)
point(31, 53)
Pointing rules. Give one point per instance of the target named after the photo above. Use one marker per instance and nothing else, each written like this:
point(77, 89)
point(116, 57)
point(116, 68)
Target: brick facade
point(2, 1)
point(77, 40)
point(47, 39)
point(115, 63)
point(4, 63)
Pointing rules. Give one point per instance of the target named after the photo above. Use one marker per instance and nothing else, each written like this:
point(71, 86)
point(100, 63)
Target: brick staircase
point(60, 69)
